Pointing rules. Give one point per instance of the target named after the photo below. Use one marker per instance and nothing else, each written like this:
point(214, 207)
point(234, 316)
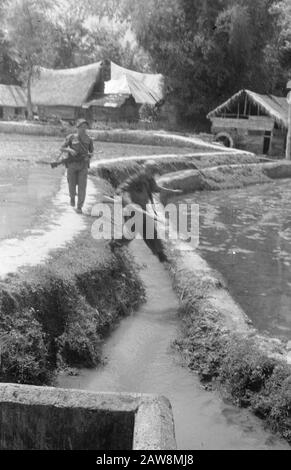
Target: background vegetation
point(207, 49)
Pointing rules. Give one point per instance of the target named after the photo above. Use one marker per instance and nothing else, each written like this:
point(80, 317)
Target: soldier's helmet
point(81, 122)
point(150, 166)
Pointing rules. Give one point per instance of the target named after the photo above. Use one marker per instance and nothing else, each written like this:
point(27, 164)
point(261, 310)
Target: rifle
point(63, 161)
point(68, 159)
point(137, 208)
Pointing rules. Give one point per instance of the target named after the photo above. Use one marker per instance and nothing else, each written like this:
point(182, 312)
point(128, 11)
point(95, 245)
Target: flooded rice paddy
point(27, 184)
point(246, 235)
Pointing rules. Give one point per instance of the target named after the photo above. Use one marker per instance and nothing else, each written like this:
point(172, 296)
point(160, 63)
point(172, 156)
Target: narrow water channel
point(139, 358)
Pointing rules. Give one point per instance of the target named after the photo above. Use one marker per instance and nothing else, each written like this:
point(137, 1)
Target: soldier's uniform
point(140, 189)
point(77, 170)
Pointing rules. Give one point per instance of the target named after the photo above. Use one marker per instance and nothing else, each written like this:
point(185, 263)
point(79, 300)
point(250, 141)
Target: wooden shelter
point(62, 93)
point(12, 102)
point(253, 122)
point(112, 108)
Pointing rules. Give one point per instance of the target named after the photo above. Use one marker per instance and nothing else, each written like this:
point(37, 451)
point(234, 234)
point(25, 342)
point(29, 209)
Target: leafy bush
point(23, 350)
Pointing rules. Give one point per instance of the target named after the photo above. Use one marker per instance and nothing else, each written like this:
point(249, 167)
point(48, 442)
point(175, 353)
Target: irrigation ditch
point(56, 315)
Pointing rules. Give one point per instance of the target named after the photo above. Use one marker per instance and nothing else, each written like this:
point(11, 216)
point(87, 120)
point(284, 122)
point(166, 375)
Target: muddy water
point(25, 186)
point(246, 235)
point(139, 358)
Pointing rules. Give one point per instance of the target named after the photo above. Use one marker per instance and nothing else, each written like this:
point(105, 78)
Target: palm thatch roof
point(274, 106)
point(146, 88)
point(65, 87)
point(12, 96)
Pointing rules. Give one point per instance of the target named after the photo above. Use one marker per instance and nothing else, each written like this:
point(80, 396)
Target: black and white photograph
point(145, 229)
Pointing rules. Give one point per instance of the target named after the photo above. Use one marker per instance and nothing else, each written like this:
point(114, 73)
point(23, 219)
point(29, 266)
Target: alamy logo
point(114, 221)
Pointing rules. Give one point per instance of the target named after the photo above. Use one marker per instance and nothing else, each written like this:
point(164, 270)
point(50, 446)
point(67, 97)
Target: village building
point(253, 122)
point(12, 102)
point(61, 93)
point(112, 108)
point(125, 92)
point(68, 94)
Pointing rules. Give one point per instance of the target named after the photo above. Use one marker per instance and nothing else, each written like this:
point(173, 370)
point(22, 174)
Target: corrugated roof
point(144, 87)
point(65, 87)
point(13, 96)
point(108, 101)
point(275, 106)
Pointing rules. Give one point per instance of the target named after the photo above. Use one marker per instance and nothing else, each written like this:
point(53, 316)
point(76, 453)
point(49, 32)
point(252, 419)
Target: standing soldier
point(79, 147)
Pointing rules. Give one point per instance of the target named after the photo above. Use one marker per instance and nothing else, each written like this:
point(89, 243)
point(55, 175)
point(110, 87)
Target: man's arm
point(91, 149)
point(65, 148)
point(169, 190)
point(158, 189)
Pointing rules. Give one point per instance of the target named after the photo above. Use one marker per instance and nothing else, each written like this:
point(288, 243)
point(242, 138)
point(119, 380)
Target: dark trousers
point(77, 178)
point(154, 243)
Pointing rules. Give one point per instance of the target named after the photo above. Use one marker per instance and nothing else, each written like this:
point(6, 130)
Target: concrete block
point(47, 418)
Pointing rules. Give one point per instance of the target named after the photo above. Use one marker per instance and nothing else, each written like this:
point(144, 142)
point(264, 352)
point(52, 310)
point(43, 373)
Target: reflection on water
point(246, 235)
point(139, 359)
point(25, 186)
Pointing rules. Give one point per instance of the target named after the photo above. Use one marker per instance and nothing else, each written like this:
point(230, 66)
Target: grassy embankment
point(229, 358)
point(55, 315)
point(116, 172)
point(226, 357)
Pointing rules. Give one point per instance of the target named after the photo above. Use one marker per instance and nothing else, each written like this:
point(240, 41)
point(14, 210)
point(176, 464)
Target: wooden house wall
point(66, 113)
point(279, 138)
point(249, 134)
point(259, 123)
point(126, 112)
point(8, 113)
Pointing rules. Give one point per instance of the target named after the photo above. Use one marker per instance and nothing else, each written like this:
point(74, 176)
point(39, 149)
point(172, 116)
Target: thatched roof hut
point(66, 87)
point(271, 105)
point(12, 101)
point(252, 121)
point(12, 96)
point(61, 93)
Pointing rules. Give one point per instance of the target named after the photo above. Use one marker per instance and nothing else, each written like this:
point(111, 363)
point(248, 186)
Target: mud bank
point(55, 315)
point(226, 176)
point(116, 170)
point(140, 137)
point(220, 343)
point(158, 138)
point(29, 128)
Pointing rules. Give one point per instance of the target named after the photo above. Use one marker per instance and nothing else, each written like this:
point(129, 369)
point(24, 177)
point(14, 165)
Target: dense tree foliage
point(9, 71)
point(86, 32)
point(207, 49)
point(29, 34)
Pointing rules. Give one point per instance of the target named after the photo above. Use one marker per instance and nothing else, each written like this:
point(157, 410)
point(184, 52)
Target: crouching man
point(139, 190)
point(79, 148)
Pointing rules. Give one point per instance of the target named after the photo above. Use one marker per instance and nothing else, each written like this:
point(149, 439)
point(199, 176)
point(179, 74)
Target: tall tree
point(90, 31)
point(28, 30)
point(282, 13)
point(8, 67)
point(208, 49)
